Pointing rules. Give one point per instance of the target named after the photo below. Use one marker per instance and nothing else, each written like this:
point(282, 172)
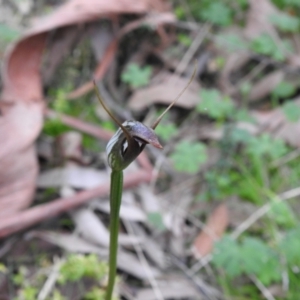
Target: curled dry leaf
point(19, 126)
point(90, 226)
point(70, 144)
point(21, 116)
point(214, 229)
point(69, 242)
point(266, 85)
point(72, 175)
point(127, 211)
point(165, 92)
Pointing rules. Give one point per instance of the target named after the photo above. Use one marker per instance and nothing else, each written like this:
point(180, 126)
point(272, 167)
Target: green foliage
point(217, 13)
point(54, 127)
point(284, 89)
point(166, 131)
point(214, 104)
point(95, 294)
point(250, 257)
point(7, 34)
point(285, 22)
point(220, 185)
point(287, 3)
point(243, 116)
point(282, 214)
point(184, 39)
point(290, 246)
point(265, 45)
point(60, 103)
point(232, 42)
point(89, 142)
point(3, 268)
point(156, 220)
point(56, 295)
point(136, 76)
point(27, 293)
point(266, 146)
point(78, 266)
point(189, 156)
point(291, 111)
point(20, 277)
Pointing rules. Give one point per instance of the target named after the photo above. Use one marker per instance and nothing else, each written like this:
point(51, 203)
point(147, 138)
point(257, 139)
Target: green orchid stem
point(116, 187)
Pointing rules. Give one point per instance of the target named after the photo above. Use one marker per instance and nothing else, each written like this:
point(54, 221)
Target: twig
point(144, 262)
point(285, 159)
point(51, 280)
point(192, 50)
point(36, 214)
point(267, 294)
point(263, 210)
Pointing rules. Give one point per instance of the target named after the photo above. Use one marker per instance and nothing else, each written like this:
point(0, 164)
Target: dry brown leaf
point(234, 61)
point(128, 212)
point(70, 144)
point(276, 123)
point(266, 85)
point(165, 92)
point(57, 49)
point(72, 175)
point(69, 242)
point(22, 106)
point(19, 126)
point(172, 286)
point(90, 226)
point(258, 18)
point(214, 229)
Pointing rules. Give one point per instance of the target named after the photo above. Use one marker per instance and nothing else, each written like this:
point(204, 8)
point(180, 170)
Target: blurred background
point(212, 216)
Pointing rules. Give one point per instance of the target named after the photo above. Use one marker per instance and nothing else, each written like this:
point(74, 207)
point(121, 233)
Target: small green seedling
point(136, 76)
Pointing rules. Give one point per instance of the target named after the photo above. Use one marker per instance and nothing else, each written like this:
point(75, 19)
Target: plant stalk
point(116, 187)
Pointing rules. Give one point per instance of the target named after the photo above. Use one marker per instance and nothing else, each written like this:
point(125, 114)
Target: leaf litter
point(164, 226)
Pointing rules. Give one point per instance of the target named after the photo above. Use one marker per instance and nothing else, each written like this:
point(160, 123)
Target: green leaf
point(78, 266)
point(7, 34)
point(251, 257)
point(232, 42)
point(238, 135)
point(227, 255)
point(284, 89)
point(136, 76)
point(3, 268)
point(54, 127)
point(264, 145)
point(95, 294)
point(264, 44)
point(244, 116)
point(285, 22)
point(291, 111)
point(260, 260)
point(290, 246)
point(189, 156)
point(282, 214)
point(166, 131)
point(214, 104)
point(184, 39)
point(217, 13)
point(156, 220)
point(293, 2)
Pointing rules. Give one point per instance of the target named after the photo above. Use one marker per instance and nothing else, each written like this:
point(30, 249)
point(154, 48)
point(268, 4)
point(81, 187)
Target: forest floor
point(212, 216)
